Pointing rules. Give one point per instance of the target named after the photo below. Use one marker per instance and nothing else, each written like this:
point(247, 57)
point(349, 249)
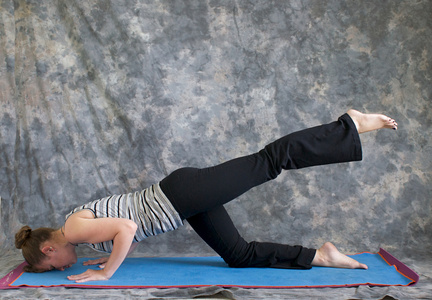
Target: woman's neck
point(61, 238)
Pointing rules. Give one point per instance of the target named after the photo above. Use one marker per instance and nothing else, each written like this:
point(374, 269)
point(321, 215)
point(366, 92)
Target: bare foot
point(369, 122)
point(329, 256)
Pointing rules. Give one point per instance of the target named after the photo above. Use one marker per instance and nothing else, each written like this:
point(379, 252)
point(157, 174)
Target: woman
point(116, 224)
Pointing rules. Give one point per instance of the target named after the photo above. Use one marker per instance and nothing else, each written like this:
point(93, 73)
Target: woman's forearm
point(132, 248)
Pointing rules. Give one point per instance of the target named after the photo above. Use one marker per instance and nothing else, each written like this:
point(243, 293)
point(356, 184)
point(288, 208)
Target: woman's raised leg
point(193, 191)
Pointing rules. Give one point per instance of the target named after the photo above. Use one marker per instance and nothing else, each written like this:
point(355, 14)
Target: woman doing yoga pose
point(116, 224)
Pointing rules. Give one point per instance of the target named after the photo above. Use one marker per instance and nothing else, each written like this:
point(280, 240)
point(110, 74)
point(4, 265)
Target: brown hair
point(29, 241)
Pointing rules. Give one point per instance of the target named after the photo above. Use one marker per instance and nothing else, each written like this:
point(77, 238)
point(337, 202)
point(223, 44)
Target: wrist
point(106, 273)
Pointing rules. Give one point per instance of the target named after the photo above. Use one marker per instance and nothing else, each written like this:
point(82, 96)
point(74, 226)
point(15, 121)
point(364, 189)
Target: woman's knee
point(243, 256)
point(235, 262)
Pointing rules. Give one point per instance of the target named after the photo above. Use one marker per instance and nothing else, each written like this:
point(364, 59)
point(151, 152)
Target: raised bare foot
point(329, 256)
point(369, 122)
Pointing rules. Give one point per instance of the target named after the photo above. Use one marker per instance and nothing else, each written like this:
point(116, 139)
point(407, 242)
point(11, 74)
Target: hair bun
point(22, 236)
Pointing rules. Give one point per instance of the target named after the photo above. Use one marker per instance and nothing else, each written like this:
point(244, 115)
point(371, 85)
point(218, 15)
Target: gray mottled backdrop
point(104, 97)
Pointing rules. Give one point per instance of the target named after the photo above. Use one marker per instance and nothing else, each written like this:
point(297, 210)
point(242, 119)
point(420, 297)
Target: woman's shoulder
point(74, 224)
point(84, 213)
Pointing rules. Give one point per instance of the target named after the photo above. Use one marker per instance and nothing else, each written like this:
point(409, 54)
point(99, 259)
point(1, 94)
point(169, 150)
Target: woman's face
point(59, 258)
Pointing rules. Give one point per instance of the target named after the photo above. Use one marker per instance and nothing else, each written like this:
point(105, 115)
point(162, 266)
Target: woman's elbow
point(131, 227)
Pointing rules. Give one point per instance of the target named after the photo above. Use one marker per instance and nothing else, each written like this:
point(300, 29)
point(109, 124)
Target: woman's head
point(30, 241)
point(44, 249)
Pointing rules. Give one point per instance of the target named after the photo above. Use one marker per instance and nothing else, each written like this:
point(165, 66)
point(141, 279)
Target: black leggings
point(199, 194)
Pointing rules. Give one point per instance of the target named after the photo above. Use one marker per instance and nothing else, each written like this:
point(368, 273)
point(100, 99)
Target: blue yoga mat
point(206, 271)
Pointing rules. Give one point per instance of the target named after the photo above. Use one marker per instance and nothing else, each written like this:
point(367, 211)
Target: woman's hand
point(100, 261)
point(89, 275)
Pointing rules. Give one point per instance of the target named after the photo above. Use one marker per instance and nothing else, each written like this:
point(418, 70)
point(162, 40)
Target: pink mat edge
point(390, 259)
point(401, 267)
point(11, 277)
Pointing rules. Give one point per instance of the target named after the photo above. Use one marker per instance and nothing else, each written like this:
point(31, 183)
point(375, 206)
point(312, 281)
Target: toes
point(391, 123)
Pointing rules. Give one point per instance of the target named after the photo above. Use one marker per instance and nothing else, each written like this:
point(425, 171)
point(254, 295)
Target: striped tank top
point(150, 209)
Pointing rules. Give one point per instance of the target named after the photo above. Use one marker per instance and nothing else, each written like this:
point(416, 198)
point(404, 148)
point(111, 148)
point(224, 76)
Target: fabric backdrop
point(106, 97)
